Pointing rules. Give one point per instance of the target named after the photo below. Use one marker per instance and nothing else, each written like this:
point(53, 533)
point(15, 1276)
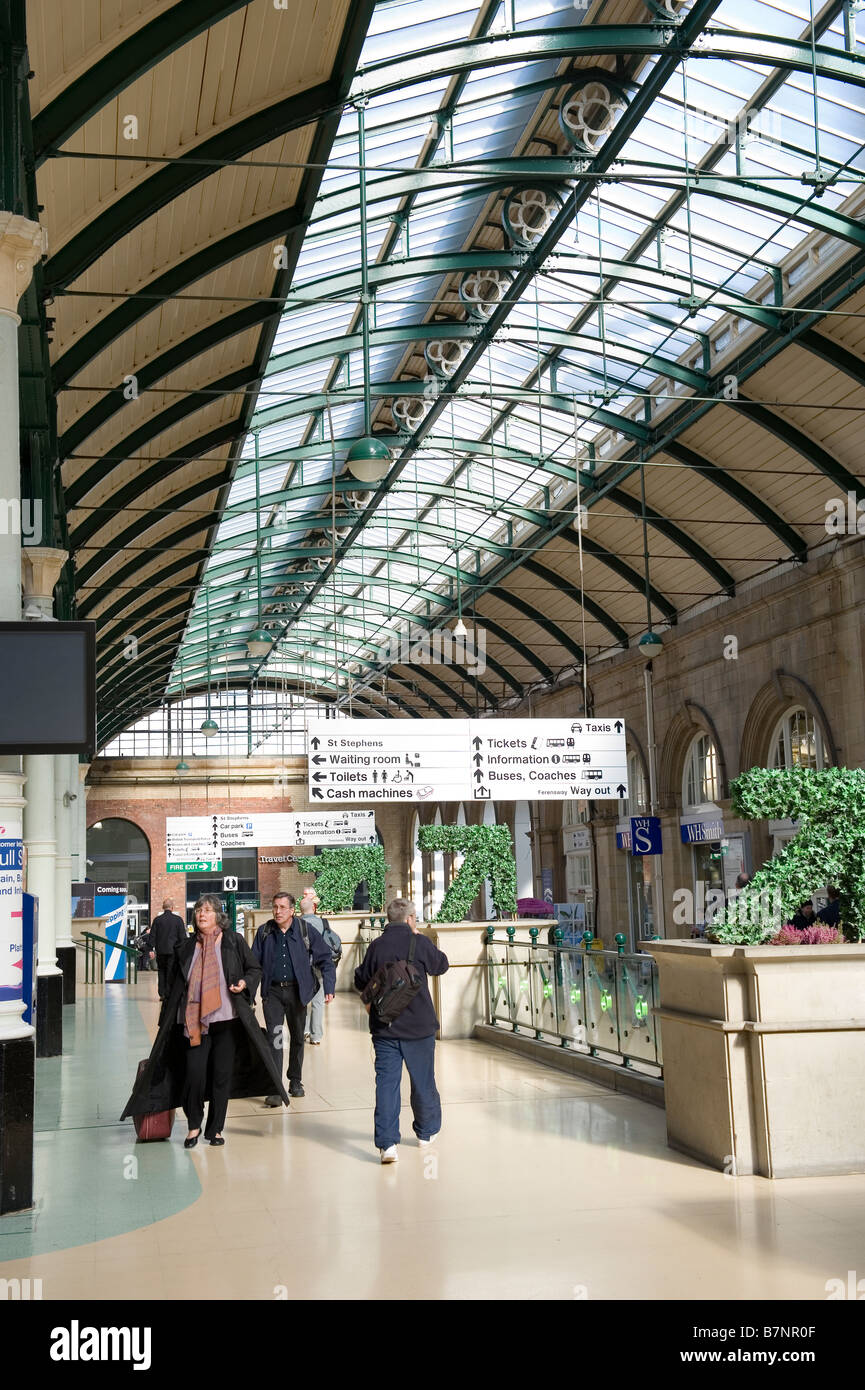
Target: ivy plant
point(338, 873)
point(829, 848)
point(489, 853)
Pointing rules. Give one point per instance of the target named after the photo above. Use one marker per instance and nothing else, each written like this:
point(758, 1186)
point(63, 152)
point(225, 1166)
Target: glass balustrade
point(598, 1002)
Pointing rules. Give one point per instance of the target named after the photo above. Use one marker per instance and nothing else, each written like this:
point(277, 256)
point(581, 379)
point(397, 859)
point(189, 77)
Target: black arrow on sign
point(479, 776)
point(315, 742)
point(477, 742)
point(318, 777)
point(320, 758)
point(621, 789)
point(317, 791)
point(478, 758)
point(618, 726)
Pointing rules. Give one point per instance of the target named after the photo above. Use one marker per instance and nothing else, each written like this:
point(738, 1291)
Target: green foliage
point(489, 853)
point(829, 848)
point(339, 871)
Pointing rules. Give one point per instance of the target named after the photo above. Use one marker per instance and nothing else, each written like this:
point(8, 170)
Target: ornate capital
point(22, 244)
point(41, 566)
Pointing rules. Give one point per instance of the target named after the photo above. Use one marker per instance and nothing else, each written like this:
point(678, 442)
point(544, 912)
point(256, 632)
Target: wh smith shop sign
point(640, 835)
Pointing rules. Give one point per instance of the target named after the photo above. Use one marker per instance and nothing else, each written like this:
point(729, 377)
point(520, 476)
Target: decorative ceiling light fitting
point(368, 459)
point(210, 727)
point(259, 642)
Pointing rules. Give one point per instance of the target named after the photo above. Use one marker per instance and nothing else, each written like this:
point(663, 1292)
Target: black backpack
point(393, 987)
point(332, 940)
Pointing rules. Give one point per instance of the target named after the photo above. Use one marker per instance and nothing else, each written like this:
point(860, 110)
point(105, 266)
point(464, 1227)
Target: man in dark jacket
point(830, 915)
point(410, 1038)
point(288, 982)
point(166, 932)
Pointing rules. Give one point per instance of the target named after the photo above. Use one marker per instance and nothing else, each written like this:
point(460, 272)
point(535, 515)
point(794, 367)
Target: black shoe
point(217, 1142)
point(191, 1143)
point(295, 1089)
point(273, 1101)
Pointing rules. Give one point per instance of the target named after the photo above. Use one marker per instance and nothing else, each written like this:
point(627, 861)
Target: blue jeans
point(419, 1057)
point(315, 1016)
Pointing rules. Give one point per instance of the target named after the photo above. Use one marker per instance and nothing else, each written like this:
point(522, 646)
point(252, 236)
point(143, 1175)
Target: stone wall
point(147, 791)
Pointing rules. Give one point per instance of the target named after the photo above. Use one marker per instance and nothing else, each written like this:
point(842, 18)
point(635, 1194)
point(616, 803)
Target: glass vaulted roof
point(563, 237)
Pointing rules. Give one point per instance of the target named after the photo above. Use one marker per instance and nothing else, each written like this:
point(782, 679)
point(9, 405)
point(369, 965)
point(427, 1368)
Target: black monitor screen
point(47, 687)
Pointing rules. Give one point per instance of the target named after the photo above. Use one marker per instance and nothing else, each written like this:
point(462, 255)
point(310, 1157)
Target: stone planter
point(764, 1056)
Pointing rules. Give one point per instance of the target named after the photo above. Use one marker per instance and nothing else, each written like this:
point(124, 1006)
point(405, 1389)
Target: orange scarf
point(203, 995)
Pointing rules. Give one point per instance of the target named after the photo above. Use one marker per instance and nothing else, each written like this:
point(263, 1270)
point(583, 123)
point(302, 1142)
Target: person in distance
point(167, 932)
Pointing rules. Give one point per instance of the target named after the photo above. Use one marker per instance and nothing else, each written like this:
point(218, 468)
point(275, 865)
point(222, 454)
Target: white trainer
point(389, 1155)
point(425, 1143)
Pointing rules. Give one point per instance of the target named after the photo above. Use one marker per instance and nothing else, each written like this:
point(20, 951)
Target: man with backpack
point(315, 1012)
point(289, 951)
point(392, 979)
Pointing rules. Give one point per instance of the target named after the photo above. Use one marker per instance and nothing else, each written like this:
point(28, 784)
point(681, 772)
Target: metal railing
point(368, 929)
point(597, 1002)
point(92, 953)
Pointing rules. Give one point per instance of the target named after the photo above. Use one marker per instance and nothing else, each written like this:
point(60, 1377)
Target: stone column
point(66, 793)
point(83, 769)
point(41, 569)
point(21, 244)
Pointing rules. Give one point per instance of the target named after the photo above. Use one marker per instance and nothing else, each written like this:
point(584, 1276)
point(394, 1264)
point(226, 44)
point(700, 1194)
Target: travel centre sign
point(479, 759)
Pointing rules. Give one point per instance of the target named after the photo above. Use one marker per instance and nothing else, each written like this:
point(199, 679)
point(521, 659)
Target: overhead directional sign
point(482, 759)
point(190, 847)
point(356, 760)
point(334, 828)
point(539, 759)
point(196, 843)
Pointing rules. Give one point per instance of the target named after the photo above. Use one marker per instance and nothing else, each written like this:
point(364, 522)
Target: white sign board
point(333, 828)
point(479, 759)
point(190, 837)
point(203, 838)
point(388, 760)
point(540, 759)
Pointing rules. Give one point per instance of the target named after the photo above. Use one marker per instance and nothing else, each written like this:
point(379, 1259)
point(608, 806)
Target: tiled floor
point(539, 1187)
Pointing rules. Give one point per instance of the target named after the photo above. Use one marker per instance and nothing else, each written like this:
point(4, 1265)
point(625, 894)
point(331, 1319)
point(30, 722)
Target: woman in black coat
point(209, 1045)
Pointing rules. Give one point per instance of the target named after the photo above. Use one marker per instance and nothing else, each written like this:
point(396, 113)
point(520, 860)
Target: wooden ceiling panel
point(171, 323)
point(221, 361)
point(165, 445)
point(66, 37)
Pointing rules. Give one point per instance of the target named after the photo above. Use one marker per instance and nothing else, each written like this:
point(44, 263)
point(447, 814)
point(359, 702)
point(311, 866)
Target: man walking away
point(314, 1032)
point(410, 1038)
point(288, 983)
point(167, 931)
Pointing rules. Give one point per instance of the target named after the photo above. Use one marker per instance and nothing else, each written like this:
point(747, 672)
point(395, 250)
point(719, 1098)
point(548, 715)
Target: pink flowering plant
point(816, 935)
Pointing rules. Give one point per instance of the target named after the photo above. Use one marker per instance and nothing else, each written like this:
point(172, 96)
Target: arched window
point(458, 859)
point(489, 819)
point(575, 812)
point(701, 783)
point(636, 802)
point(438, 874)
point(118, 852)
point(797, 742)
point(523, 850)
point(415, 886)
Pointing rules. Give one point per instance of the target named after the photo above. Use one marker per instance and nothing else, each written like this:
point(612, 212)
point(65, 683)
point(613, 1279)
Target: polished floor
point(539, 1187)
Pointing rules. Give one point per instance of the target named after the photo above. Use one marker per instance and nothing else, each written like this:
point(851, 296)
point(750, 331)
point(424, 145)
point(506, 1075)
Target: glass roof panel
point(639, 286)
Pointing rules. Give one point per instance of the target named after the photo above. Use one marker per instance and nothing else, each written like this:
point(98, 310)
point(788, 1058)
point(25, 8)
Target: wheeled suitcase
point(156, 1126)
